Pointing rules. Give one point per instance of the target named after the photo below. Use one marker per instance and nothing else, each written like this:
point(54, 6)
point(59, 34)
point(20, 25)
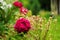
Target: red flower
point(18, 4)
point(23, 10)
point(22, 25)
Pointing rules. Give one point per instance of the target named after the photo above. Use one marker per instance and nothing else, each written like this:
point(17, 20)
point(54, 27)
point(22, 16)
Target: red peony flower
point(18, 4)
point(23, 10)
point(22, 25)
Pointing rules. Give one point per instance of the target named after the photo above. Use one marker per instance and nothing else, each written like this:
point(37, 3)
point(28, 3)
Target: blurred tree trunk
point(55, 4)
point(59, 6)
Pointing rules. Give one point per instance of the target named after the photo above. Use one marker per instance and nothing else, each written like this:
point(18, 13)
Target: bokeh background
point(45, 23)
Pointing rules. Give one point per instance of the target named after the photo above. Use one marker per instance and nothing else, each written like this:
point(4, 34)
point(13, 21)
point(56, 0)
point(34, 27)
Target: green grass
point(56, 29)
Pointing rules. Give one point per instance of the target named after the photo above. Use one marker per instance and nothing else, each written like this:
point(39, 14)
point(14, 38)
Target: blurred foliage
point(32, 5)
point(36, 5)
point(6, 14)
point(45, 4)
point(45, 14)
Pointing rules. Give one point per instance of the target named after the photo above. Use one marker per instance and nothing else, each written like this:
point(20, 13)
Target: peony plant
point(22, 24)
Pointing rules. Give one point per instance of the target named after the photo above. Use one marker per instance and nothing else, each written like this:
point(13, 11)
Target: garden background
point(45, 24)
